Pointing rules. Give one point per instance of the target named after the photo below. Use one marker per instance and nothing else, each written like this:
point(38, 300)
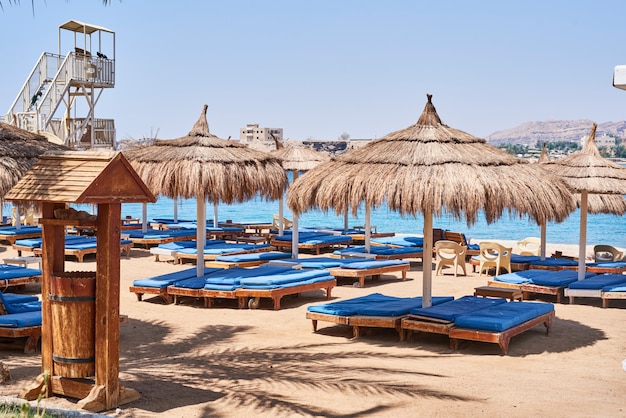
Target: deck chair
point(606, 253)
point(529, 246)
point(450, 253)
point(459, 237)
point(495, 255)
point(287, 224)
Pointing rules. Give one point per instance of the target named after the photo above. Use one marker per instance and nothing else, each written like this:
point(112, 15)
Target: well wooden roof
point(81, 177)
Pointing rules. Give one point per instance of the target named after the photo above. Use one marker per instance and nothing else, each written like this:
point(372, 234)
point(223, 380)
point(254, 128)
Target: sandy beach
point(189, 361)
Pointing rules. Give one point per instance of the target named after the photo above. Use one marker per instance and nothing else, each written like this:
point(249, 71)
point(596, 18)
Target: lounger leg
point(403, 275)
point(571, 300)
point(454, 343)
point(276, 303)
point(605, 303)
point(504, 345)
point(139, 296)
point(356, 332)
point(328, 292)
point(314, 321)
point(30, 346)
point(362, 282)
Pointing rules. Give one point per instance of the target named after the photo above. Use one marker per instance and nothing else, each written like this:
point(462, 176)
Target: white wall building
point(253, 133)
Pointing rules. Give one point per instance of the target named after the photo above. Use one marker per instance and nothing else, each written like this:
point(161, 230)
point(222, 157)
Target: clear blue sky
point(321, 68)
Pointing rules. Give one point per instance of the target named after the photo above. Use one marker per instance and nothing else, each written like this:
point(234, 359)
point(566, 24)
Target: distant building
point(601, 141)
point(258, 137)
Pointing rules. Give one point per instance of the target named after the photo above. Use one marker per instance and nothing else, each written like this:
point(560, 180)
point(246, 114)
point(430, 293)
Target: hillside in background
point(530, 133)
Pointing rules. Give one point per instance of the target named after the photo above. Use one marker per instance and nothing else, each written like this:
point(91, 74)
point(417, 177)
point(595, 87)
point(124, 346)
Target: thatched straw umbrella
point(588, 173)
point(19, 150)
point(203, 166)
point(613, 204)
point(296, 160)
point(428, 168)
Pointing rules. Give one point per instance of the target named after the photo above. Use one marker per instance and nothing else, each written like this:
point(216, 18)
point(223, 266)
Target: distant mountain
point(530, 133)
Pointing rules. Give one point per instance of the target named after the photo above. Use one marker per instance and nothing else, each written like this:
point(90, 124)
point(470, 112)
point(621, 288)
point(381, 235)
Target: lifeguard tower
point(60, 94)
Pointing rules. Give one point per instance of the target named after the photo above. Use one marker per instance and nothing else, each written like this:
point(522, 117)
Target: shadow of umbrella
point(587, 173)
point(429, 168)
point(203, 166)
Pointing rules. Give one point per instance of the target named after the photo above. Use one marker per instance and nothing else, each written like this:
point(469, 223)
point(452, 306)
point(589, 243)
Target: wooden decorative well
point(80, 310)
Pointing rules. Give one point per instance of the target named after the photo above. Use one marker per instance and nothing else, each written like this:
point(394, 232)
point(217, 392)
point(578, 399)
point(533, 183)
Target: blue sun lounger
point(11, 303)
point(613, 267)
point(371, 268)
point(371, 311)
point(499, 323)
point(257, 282)
point(216, 248)
point(11, 233)
point(11, 275)
point(399, 241)
point(480, 319)
point(312, 241)
point(380, 252)
point(247, 259)
point(612, 292)
point(157, 285)
point(592, 287)
point(22, 322)
point(156, 237)
point(554, 263)
point(547, 282)
point(171, 248)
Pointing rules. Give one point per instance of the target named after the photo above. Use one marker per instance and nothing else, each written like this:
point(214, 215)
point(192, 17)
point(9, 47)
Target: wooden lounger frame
point(514, 266)
point(277, 294)
point(529, 288)
point(232, 264)
point(358, 322)
point(375, 273)
point(147, 242)
point(606, 296)
point(19, 281)
point(11, 238)
point(601, 270)
point(80, 254)
point(160, 291)
point(502, 338)
point(552, 268)
point(317, 247)
point(32, 334)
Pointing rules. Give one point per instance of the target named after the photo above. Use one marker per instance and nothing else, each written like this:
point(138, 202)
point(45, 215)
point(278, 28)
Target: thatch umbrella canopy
point(427, 168)
point(596, 203)
point(296, 160)
point(203, 166)
point(588, 173)
point(19, 150)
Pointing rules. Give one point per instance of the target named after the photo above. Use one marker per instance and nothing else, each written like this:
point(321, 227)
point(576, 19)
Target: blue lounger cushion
point(519, 277)
point(350, 307)
point(165, 280)
point(317, 279)
point(24, 229)
point(322, 262)
point(502, 316)
point(620, 287)
point(558, 278)
point(373, 264)
point(608, 264)
point(379, 250)
point(400, 241)
point(225, 248)
point(555, 262)
point(179, 245)
point(191, 283)
point(226, 287)
point(8, 298)
point(599, 281)
point(238, 258)
point(400, 306)
point(523, 259)
point(12, 272)
point(14, 308)
point(283, 278)
point(448, 311)
point(21, 320)
point(374, 304)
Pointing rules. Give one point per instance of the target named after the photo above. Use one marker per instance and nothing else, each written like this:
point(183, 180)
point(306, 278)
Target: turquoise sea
point(605, 229)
